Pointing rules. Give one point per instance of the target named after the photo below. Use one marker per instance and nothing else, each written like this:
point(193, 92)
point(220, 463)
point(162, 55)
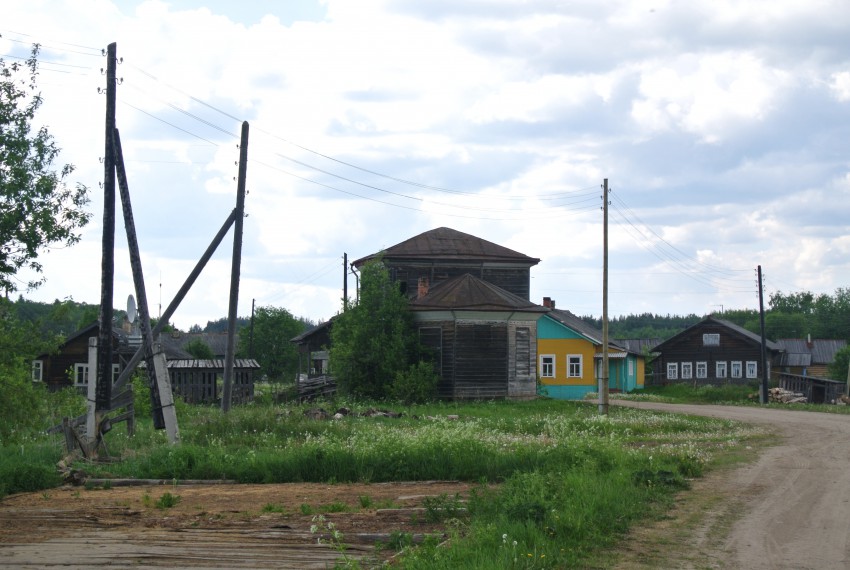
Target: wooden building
point(201, 381)
point(443, 253)
point(313, 350)
point(196, 380)
point(808, 357)
point(570, 357)
point(69, 366)
point(713, 351)
point(482, 338)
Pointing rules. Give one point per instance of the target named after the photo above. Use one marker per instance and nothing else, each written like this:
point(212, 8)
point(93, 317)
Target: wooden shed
point(482, 338)
point(199, 381)
point(443, 253)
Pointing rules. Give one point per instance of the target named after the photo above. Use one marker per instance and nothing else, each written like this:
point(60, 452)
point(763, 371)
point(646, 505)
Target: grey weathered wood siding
point(510, 278)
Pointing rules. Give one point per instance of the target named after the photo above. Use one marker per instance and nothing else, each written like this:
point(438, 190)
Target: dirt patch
point(215, 526)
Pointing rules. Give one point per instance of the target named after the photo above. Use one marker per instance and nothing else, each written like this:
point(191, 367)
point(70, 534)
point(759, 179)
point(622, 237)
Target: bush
point(416, 385)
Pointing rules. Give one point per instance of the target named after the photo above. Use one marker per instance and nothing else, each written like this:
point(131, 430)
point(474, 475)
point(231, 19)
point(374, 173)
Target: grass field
point(555, 481)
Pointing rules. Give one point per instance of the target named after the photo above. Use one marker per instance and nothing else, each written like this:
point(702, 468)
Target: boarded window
point(523, 352)
point(431, 341)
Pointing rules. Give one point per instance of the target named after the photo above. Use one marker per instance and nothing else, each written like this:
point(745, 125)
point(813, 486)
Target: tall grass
point(568, 480)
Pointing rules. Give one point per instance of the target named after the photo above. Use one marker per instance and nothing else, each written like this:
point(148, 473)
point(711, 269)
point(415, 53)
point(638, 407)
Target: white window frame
point(687, 370)
point(736, 369)
point(544, 365)
point(672, 370)
point(752, 369)
point(711, 339)
point(81, 374)
point(720, 369)
point(37, 371)
point(702, 369)
point(571, 364)
point(631, 367)
point(82, 368)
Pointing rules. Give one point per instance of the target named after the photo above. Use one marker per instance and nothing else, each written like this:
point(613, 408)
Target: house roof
point(741, 331)
point(638, 345)
point(449, 244)
point(469, 293)
point(801, 352)
point(585, 329)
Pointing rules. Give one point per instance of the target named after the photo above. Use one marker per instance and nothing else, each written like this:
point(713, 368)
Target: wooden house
point(69, 366)
point(713, 351)
point(808, 357)
point(443, 253)
point(482, 338)
point(569, 353)
point(196, 380)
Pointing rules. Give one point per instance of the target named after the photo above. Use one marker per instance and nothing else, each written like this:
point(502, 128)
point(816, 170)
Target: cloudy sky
point(721, 126)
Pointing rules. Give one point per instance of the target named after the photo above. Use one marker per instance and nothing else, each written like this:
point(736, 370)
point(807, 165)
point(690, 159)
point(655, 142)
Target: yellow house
point(569, 353)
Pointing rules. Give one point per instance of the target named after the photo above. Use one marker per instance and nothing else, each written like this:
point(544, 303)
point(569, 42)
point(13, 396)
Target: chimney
point(809, 343)
point(422, 289)
point(549, 302)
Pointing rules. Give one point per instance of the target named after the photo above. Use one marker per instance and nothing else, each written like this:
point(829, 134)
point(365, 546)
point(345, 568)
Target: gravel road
point(795, 498)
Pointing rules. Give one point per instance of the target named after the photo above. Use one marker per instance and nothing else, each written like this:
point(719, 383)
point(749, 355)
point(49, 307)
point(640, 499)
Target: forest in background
point(792, 315)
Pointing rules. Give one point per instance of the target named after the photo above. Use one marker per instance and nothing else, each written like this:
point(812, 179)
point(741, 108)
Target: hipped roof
point(469, 293)
point(449, 244)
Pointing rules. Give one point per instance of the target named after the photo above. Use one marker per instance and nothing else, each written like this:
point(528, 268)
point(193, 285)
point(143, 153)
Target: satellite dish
point(131, 308)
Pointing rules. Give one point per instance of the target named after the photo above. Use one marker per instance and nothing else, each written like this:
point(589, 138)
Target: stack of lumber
point(784, 396)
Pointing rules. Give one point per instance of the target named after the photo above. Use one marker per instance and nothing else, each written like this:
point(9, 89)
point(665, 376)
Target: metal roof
point(470, 293)
point(449, 244)
point(818, 350)
point(585, 329)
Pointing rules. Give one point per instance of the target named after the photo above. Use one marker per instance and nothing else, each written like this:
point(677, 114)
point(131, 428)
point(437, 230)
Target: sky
point(721, 126)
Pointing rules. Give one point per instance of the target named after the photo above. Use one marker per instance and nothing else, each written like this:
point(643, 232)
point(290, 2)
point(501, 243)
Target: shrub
point(416, 385)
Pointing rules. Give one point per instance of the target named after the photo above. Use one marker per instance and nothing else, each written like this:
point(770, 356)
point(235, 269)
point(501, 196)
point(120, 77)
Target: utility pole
point(229, 355)
point(603, 376)
point(101, 376)
point(763, 396)
point(344, 282)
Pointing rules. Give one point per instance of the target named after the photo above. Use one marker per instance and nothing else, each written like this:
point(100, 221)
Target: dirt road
point(788, 509)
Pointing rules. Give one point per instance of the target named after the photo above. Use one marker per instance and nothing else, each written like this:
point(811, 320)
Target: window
point(687, 370)
point(81, 374)
point(720, 369)
point(574, 366)
point(752, 369)
point(672, 370)
point(547, 366)
point(37, 370)
point(631, 368)
point(702, 369)
point(736, 369)
point(711, 339)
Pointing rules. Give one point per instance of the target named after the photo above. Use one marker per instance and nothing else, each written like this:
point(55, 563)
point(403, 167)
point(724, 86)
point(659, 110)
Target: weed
point(167, 500)
point(273, 508)
point(442, 507)
point(365, 501)
point(306, 509)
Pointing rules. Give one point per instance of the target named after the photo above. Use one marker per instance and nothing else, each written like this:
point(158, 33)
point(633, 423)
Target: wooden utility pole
point(103, 375)
point(345, 281)
point(162, 397)
point(603, 376)
point(764, 372)
point(229, 355)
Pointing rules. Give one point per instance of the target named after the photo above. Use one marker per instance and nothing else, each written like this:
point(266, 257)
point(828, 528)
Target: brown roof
point(446, 243)
point(472, 294)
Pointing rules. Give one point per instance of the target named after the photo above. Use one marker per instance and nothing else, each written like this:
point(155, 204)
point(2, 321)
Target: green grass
point(556, 481)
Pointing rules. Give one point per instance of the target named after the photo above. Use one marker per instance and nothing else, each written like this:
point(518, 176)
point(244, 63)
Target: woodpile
point(783, 396)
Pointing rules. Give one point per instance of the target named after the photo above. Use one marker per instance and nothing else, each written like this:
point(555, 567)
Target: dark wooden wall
point(689, 348)
point(511, 278)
